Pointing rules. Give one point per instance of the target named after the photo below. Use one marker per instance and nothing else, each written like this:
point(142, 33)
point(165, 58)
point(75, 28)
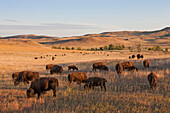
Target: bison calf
point(40, 85)
point(146, 63)
point(79, 77)
point(26, 76)
point(95, 81)
point(73, 67)
point(152, 78)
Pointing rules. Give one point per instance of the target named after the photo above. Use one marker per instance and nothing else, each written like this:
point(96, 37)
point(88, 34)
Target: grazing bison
point(133, 56)
point(49, 66)
point(53, 58)
point(141, 56)
point(56, 69)
point(40, 85)
point(15, 75)
point(95, 81)
point(129, 57)
point(152, 78)
point(26, 76)
point(124, 65)
point(73, 67)
point(97, 65)
point(138, 56)
point(119, 68)
point(35, 58)
point(133, 68)
point(79, 77)
point(146, 63)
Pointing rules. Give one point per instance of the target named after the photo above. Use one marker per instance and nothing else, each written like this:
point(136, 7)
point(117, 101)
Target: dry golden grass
point(130, 94)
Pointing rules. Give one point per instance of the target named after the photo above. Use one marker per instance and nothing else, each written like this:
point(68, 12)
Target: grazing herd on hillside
point(41, 84)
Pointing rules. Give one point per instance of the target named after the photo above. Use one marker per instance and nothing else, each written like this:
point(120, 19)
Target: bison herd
point(41, 84)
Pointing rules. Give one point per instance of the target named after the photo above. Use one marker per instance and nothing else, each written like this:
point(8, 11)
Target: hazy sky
point(79, 17)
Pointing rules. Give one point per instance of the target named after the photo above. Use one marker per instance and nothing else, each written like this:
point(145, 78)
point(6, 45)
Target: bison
point(152, 78)
point(124, 65)
point(95, 81)
point(79, 77)
point(97, 65)
point(49, 66)
point(138, 56)
point(129, 57)
point(146, 63)
point(133, 68)
point(133, 56)
point(26, 76)
point(141, 56)
point(73, 67)
point(40, 85)
point(56, 69)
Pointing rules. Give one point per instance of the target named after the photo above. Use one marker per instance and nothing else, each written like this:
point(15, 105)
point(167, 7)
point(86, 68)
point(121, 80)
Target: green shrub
point(79, 48)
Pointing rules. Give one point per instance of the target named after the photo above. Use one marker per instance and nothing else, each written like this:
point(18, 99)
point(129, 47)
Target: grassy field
point(131, 93)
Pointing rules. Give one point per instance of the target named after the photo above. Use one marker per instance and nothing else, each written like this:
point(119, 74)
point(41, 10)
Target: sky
point(62, 18)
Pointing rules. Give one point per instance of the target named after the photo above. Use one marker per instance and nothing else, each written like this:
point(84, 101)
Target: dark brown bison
point(56, 69)
point(138, 56)
point(26, 76)
point(133, 56)
point(97, 65)
point(95, 81)
point(79, 77)
point(73, 67)
point(141, 56)
point(36, 58)
point(53, 58)
point(133, 68)
point(49, 66)
point(103, 67)
point(129, 57)
point(152, 78)
point(119, 68)
point(124, 65)
point(40, 85)
point(15, 75)
point(146, 63)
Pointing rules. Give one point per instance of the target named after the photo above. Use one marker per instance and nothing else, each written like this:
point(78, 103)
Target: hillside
point(157, 37)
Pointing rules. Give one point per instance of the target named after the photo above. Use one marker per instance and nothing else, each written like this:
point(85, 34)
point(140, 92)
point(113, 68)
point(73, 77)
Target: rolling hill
point(157, 37)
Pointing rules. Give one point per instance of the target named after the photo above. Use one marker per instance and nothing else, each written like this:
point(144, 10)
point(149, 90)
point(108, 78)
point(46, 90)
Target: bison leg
point(39, 95)
point(70, 83)
point(104, 86)
point(54, 93)
point(101, 87)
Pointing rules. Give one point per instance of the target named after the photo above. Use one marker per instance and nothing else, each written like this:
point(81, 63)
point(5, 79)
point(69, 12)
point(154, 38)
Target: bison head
point(30, 93)
point(16, 82)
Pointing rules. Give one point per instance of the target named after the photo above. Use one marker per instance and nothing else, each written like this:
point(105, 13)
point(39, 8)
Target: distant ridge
point(161, 37)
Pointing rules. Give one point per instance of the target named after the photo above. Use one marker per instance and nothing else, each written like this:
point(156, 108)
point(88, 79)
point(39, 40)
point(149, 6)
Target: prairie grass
point(128, 93)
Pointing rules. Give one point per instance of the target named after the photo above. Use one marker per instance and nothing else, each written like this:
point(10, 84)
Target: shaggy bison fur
point(26, 76)
point(98, 65)
point(95, 81)
point(73, 67)
point(124, 65)
point(152, 78)
point(49, 66)
point(40, 85)
point(79, 77)
point(146, 63)
point(15, 75)
point(56, 69)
